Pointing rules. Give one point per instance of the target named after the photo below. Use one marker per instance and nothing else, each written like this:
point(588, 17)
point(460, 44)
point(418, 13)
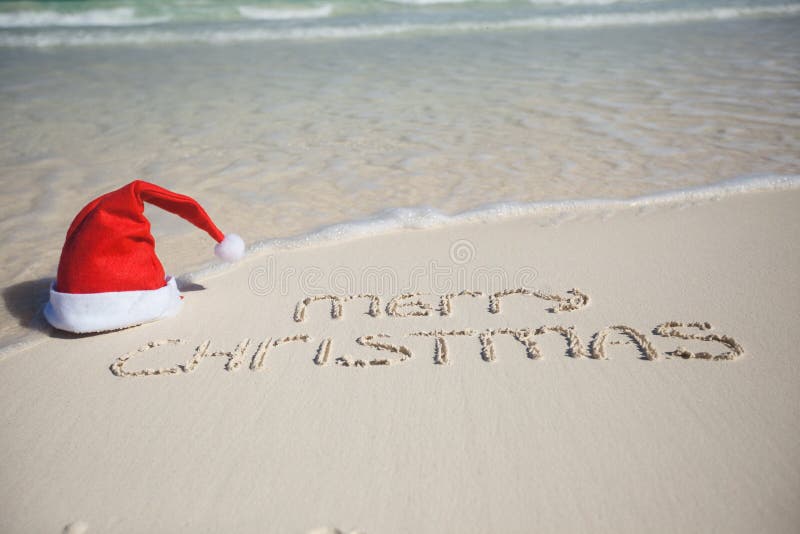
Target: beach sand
point(513, 267)
point(475, 438)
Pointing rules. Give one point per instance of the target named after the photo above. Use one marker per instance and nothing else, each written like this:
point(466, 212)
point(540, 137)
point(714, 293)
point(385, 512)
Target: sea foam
point(260, 13)
point(121, 16)
point(424, 217)
point(147, 36)
point(428, 2)
point(587, 2)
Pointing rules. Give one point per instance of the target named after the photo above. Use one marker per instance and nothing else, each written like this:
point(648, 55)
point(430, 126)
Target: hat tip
point(230, 249)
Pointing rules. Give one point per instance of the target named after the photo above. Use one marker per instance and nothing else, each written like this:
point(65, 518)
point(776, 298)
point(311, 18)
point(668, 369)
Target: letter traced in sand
point(563, 304)
point(575, 348)
point(525, 336)
point(337, 310)
point(374, 303)
point(300, 309)
point(234, 358)
point(257, 362)
point(669, 329)
point(118, 366)
point(446, 301)
point(402, 306)
point(440, 343)
point(647, 349)
point(323, 352)
point(373, 341)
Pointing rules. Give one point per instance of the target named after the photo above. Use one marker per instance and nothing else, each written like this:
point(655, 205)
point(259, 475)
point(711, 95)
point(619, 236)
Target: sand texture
point(623, 372)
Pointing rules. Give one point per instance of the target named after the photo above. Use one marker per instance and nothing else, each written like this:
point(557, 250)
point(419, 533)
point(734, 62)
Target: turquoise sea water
point(101, 22)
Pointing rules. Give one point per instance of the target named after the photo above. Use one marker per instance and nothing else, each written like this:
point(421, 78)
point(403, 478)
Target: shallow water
point(278, 137)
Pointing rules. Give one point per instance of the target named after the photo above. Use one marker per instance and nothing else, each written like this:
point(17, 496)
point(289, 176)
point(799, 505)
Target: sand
point(406, 405)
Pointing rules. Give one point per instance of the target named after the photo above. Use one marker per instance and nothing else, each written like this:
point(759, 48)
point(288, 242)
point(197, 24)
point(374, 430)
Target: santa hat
point(109, 276)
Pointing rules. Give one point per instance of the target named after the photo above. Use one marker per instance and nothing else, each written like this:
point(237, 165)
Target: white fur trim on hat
point(99, 312)
point(230, 249)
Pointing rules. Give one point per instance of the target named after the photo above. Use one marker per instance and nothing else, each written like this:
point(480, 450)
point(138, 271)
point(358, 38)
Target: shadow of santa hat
point(109, 276)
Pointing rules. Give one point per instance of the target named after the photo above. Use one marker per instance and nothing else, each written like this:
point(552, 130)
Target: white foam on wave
point(587, 2)
point(427, 2)
point(121, 16)
point(395, 219)
point(585, 21)
point(261, 13)
point(366, 31)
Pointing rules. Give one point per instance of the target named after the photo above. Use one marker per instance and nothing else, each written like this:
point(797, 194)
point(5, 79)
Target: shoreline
point(404, 219)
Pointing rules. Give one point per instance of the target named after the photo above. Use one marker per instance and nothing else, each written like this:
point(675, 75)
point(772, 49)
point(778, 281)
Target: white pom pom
point(230, 249)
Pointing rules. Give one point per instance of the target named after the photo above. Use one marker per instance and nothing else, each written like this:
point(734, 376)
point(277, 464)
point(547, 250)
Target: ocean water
point(357, 117)
point(102, 22)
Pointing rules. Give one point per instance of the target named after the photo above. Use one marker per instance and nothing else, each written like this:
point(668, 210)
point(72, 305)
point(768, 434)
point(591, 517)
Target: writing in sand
point(387, 351)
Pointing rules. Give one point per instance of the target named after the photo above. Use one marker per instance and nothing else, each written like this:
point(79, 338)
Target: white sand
point(553, 445)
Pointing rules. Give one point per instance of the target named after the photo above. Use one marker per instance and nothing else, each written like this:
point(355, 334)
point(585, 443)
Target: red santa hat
point(109, 276)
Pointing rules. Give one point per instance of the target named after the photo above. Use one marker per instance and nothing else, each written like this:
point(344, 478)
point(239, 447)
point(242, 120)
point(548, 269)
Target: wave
point(535, 2)
point(587, 2)
point(260, 13)
point(121, 16)
point(429, 2)
point(223, 36)
point(422, 217)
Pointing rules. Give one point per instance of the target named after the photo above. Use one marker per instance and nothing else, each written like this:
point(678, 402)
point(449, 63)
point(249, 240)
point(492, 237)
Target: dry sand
point(451, 433)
